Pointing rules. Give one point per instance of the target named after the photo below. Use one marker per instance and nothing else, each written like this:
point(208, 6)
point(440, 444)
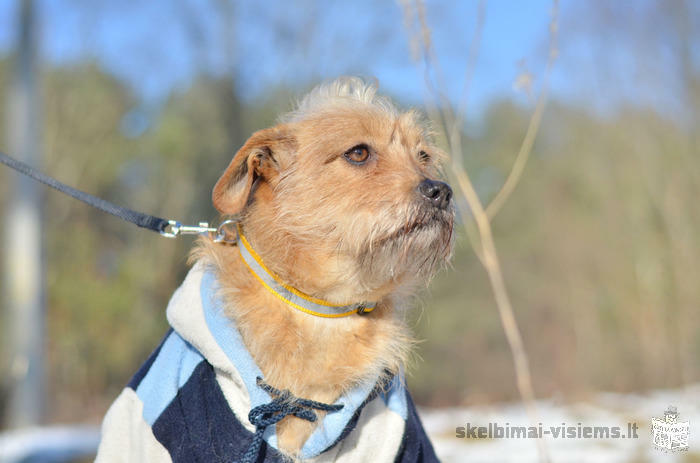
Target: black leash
point(150, 222)
point(168, 228)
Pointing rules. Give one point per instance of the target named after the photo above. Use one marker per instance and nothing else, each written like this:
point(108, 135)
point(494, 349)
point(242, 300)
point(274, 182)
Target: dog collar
point(291, 295)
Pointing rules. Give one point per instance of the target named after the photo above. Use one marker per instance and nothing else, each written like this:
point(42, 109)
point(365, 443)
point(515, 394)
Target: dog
point(292, 344)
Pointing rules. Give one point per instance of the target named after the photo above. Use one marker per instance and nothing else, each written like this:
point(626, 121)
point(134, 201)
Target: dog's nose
point(437, 193)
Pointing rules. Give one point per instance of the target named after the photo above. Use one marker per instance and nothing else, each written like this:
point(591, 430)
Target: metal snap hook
point(227, 233)
point(172, 229)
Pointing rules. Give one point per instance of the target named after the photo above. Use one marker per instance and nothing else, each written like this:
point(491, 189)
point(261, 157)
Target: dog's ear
point(260, 159)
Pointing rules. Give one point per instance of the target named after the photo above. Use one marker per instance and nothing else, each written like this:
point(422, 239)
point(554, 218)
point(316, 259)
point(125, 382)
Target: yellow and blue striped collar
point(290, 295)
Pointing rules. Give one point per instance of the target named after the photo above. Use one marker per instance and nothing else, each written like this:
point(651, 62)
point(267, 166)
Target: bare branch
point(533, 127)
point(487, 251)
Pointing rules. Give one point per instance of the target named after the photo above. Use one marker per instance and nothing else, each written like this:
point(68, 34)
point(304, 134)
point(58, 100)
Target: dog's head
point(342, 198)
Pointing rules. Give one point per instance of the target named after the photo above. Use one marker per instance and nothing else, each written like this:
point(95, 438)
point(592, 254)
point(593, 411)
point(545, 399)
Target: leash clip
point(175, 228)
point(222, 234)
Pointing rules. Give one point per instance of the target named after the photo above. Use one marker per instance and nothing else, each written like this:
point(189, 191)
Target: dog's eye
point(423, 156)
point(358, 154)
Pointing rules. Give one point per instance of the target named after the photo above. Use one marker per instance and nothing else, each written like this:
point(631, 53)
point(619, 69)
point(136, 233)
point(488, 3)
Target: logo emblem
point(669, 434)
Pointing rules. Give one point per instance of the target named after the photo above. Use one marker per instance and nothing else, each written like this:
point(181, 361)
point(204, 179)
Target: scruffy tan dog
point(338, 207)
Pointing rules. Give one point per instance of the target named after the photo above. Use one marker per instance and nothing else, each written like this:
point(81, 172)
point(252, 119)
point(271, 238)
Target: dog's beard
point(411, 252)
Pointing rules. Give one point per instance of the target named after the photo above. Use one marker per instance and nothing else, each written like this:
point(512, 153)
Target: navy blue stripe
point(198, 425)
point(138, 377)
point(415, 445)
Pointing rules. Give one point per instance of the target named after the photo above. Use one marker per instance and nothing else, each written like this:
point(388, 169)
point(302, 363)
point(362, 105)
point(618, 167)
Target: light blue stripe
point(171, 369)
point(229, 339)
point(334, 423)
point(395, 397)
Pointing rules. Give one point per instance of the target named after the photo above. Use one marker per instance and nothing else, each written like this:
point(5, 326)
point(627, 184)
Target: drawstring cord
point(283, 404)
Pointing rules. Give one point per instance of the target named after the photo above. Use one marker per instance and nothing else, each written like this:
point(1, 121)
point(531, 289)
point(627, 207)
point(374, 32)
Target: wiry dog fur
point(338, 231)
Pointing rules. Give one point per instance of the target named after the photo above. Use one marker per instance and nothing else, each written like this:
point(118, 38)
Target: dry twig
point(534, 125)
point(486, 251)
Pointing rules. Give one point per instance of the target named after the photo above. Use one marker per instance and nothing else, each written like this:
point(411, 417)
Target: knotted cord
point(282, 405)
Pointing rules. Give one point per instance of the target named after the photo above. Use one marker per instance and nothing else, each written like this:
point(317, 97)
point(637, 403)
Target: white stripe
point(126, 437)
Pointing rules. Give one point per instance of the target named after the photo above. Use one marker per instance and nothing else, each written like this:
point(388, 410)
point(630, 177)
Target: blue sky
point(159, 45)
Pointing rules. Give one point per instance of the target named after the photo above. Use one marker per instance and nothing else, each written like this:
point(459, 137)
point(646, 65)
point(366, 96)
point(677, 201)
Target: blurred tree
point(23, 275)
point(599, 243)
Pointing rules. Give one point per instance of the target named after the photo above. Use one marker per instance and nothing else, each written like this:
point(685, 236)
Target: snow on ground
point(605, 409)
point(47, 445)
